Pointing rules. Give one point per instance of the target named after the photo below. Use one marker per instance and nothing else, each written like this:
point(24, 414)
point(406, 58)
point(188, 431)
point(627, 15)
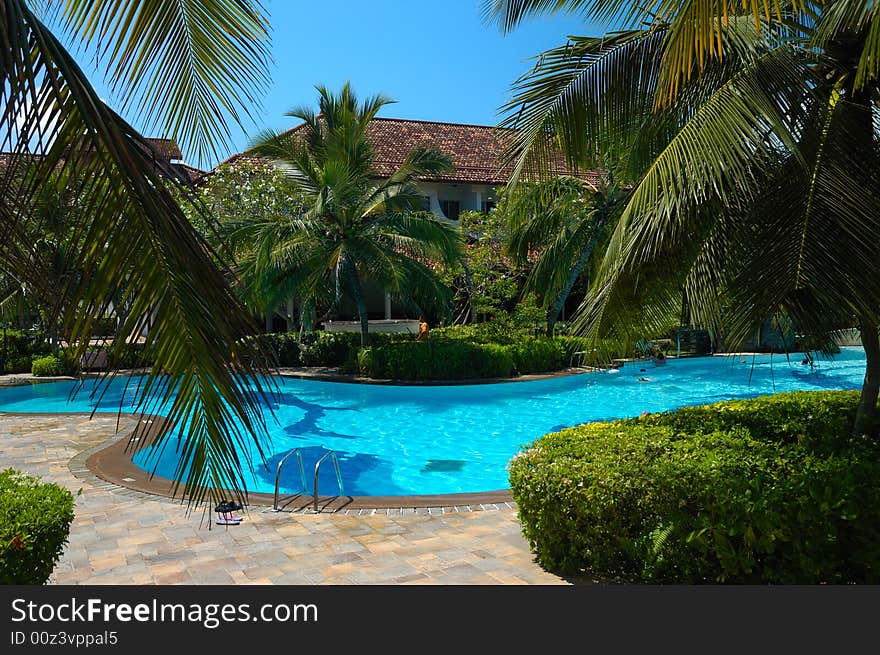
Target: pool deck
point(124, 536)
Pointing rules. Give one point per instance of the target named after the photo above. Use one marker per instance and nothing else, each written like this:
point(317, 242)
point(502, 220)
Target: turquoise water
point(447, 439)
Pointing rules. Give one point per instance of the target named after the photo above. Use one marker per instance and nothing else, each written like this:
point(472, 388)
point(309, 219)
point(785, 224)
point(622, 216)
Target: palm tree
point(352, 228)
point(750, 141)
point(184, 68)
point(562, 219)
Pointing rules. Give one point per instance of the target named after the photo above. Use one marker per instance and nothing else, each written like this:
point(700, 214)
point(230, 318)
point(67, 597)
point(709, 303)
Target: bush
point(754, 491)
point(48, 365)
point(19, 364)
point(539, 354)
point(35, 520)
point(18, 348)
point(329, 349)
point(435, 360)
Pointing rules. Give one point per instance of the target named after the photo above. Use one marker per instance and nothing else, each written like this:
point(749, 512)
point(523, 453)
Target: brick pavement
point(121, 536)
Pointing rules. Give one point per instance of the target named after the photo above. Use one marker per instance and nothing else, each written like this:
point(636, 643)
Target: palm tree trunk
point(553, 314)
point(866, 416)
point(357, 293)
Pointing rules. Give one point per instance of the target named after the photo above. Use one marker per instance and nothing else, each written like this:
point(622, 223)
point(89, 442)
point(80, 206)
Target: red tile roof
point(165, 148)
point(476, 151)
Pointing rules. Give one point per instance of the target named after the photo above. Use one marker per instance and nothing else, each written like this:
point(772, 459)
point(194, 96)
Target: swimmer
point(644, 379)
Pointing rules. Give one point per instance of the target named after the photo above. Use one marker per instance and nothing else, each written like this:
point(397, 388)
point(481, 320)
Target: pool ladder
point(302, 475)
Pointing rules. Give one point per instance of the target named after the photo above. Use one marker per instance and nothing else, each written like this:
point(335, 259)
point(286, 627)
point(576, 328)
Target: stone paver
point(124, 537)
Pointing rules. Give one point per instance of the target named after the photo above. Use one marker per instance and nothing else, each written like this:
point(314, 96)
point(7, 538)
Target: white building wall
point(469, 196)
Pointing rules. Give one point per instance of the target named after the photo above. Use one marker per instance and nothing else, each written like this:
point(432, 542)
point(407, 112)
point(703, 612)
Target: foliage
point(558, 224)
point(134, 248)
point(749, 142)
point(324, 349)
point(18, 349)
point(539, 354)
point(238, 191)
point(35, 520)
point(436, 359)
point(487, 281)
point(351, 227)
point(210, 59)
point(770, 490)
point(48, 365)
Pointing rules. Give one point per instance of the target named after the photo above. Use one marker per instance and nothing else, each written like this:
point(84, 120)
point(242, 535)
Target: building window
point(488, 205)
point(451, 209)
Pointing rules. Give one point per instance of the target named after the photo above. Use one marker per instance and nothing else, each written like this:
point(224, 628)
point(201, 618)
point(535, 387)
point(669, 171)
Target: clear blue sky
point(436, 58)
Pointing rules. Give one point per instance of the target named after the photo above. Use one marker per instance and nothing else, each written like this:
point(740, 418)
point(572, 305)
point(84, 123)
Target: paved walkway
point(125, 537)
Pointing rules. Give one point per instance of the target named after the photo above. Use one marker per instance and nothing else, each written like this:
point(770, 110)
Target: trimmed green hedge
point(770, 490)
point(539, 355)
point(48, 365)
point(331, 349)
point(18, 349)
point(436, 360)
point(518, 354)
point(35, 521)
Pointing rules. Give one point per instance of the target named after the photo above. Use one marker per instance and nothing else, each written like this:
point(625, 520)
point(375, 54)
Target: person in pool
point(659, 359)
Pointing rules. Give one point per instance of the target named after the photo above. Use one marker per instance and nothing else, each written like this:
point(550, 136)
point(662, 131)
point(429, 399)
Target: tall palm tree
point(750, 140)
point(562, 219)
point(352, 228)
point(187, 69)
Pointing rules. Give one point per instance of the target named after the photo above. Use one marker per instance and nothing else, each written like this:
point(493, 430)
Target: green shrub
point(329, 348)
point(48, 365)
point(539, 354)
point(18, 348)
point(435, 360)
point(35, 520)
point(770, 490)
point(19, 364)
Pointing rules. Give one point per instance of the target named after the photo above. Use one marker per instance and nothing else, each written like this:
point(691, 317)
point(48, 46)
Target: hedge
point(35, 521)
point(329, 349)
point(18, 349)
point(770, 490)
point(48, 365)
point(436, 360)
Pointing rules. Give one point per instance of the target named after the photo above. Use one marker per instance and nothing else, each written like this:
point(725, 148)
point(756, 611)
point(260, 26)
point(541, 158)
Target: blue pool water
point(447, 439)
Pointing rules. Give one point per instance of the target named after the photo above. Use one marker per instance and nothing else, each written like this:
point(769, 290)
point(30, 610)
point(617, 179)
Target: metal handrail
point(335, 459)
point(302, 474)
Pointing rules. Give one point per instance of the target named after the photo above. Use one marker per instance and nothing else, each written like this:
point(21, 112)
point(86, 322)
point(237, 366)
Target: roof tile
point(477, 151)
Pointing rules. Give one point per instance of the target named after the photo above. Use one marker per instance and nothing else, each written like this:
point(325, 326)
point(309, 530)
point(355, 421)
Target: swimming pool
point(414, 440)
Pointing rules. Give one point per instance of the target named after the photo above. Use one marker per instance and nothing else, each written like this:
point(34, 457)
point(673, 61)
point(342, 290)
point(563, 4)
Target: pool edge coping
point(111, 462)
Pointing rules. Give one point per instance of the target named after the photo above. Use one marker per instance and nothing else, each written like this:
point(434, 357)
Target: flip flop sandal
point(224, 520)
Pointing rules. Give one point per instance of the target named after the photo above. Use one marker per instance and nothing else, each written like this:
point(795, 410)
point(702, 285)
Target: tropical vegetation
point(188, 70)
point(351, 228)
point(35, 520)
point(559, 223)
point(748, 135)
point(767, 490)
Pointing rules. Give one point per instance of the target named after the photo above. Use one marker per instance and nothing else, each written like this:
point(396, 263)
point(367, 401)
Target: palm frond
point(138, 249)
point(186, 68)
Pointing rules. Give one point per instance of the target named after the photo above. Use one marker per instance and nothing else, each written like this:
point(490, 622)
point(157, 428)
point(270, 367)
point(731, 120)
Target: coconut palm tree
point(562, 220)
point(187, 69)
point(353, 227)
point(750, 141)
